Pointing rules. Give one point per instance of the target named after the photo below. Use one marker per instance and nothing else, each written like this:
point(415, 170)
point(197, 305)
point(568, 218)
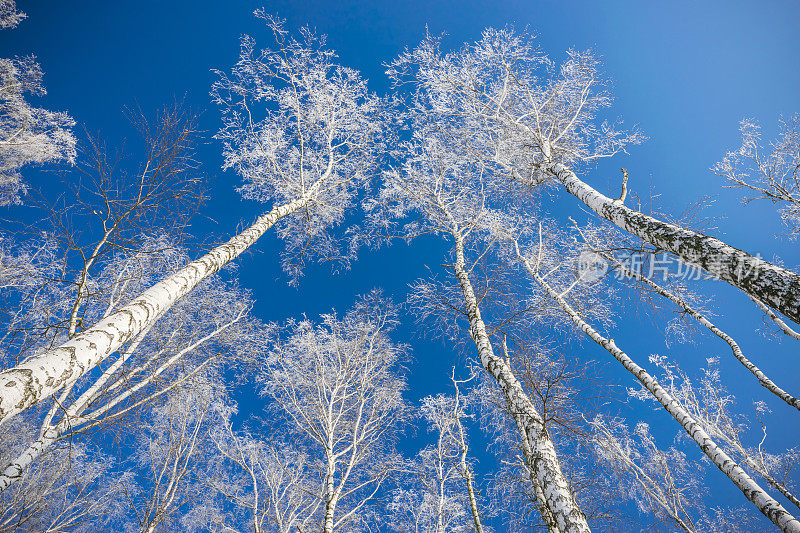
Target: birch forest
point(356, 267)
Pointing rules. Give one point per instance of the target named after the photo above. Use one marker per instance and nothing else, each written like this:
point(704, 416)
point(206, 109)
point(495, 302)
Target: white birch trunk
point(473, 503)
point(557, 495)
point(42, 375)
point(527, 455)
point(774, 483)
point(765, 503)
point(331, 494)
point(17, 467)
point(75, 417)
point(440, 501)
point(50, 434)
point(775, 286)
point(330, 508)
point(775, 318)
point(737, 351)
point(467, 472)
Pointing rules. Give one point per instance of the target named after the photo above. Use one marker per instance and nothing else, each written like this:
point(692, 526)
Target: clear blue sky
point(686, 72)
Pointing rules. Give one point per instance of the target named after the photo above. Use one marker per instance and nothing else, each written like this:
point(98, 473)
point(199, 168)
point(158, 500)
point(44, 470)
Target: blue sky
point(685, 72)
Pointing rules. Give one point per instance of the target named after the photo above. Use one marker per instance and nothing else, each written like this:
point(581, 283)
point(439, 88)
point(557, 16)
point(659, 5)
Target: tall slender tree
point(448, 193)
point(172, 449)
point(316, 143)
point(196, 335)
point(109, 236)
point(600, 243)
point(765, 503)
point(73, 487)
point(272, 482)
point(439, 493)
point(337, 385)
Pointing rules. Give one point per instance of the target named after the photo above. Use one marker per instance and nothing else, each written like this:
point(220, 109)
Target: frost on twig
point(768, 171)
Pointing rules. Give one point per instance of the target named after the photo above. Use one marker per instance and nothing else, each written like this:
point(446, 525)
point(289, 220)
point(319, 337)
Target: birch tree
point(660, 481)
point(316, 142)
point(766, 504)
point(28, 135)
point(600, 242)
point(537, 123)
point(170, 454)
point(458, 413)
point(102, 210)
point(338, 388)
point(563, 389)
point(196, 335)
point(73, 487)
point(521, 125)
point(439, 495)
point(712, 406)
point(447, 193)
point(98, 247)
point(273, 482)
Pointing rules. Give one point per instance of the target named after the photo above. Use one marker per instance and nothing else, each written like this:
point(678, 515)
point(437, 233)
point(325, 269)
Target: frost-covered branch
point(769, 172)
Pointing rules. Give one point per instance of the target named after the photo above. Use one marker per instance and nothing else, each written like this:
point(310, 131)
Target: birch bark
point(42, 375)
point(75, 418)
point(775, 286)
point(557, 495)
point(473, 502)
point(330, 495)
point(466, 471)
point(735, 348)
point(765, 503)
point(775, 318)
point(527, 456)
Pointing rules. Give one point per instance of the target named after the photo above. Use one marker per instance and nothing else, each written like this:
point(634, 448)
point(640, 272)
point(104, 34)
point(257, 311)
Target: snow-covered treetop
point(296, 125)
point(520, 110)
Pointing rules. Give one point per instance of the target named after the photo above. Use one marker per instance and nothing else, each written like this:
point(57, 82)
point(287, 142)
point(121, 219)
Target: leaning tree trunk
point(473, 502)
point(762, 378)
point(527, 455)
point(468, 478)
point(775, 286)
point(42, 375)
point(558, 497)
point(18, 466)
point(765, 503)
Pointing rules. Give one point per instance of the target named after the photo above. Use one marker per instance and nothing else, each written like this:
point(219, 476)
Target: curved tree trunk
point(42, 375)
point(765, 503)
point(777, 287)
point(546, 467)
